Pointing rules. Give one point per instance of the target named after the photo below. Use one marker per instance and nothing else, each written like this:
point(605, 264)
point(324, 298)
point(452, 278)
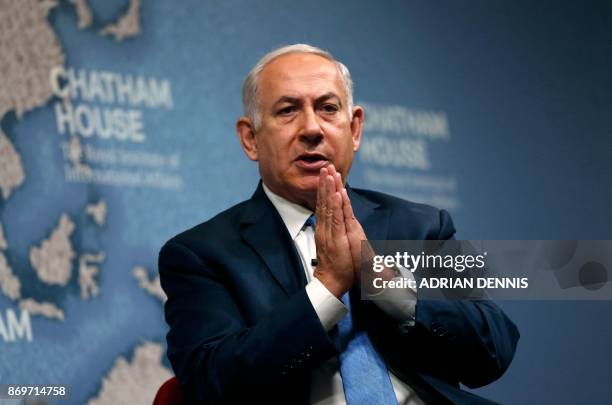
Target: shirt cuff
point(398, 303)
point(329, 309)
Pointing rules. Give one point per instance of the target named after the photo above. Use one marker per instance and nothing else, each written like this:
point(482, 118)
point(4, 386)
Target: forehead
point(299, 75)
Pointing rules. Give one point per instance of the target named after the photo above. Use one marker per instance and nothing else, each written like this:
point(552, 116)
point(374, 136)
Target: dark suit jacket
point(242, 327)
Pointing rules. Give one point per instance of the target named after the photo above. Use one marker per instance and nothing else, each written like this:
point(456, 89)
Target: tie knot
point(311, 221)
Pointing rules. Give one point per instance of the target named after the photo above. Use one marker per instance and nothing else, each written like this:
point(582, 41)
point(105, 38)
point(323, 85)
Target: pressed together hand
point(338, 235)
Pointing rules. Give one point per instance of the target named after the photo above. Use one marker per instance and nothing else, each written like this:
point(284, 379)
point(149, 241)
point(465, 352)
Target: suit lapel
point(263, 229)
point(373, 218)
point(375, 222)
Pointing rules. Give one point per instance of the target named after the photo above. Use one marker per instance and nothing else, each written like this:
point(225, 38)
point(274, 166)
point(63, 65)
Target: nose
point(311, 132)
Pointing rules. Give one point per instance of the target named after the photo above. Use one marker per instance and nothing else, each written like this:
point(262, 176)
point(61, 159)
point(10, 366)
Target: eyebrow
point(328, 96)
point(286, 99)
point(320, 99)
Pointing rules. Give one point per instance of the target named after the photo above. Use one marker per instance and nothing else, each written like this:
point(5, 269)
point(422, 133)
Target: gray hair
point(250, 87)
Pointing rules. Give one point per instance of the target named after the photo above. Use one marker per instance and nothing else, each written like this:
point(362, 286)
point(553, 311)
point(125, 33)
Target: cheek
point(344, 154)
point(274, 158)
point(345, 146)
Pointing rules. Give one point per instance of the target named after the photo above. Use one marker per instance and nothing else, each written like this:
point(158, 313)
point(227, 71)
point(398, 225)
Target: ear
point(357, 126)
point(246, 134)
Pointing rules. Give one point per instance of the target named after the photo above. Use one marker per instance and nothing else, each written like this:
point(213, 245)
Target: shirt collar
point(293, 215)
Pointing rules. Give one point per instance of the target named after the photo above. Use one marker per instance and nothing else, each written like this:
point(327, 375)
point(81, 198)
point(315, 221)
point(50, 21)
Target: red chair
point(169, 393)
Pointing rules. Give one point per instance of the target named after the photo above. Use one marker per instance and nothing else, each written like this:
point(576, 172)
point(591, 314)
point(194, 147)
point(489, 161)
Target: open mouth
point(311, 161)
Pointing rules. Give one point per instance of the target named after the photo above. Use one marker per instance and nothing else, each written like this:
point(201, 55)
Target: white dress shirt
point(326, 382)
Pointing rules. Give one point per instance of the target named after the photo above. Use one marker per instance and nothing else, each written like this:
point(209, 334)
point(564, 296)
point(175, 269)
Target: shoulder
point(395, 203)
point(423, 221)
point(217, 232)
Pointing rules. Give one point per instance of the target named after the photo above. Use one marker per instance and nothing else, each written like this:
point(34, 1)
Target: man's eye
point(286, 110)
point(330, 108)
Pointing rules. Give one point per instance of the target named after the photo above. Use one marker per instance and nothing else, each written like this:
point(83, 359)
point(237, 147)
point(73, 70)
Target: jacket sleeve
point(216, 355)
point(467, 341)
point(476, 337)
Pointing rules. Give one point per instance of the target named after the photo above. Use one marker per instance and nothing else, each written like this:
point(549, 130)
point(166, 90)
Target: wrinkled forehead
point(299, 75)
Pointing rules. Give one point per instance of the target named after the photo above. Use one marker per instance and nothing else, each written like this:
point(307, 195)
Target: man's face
point(305, 125)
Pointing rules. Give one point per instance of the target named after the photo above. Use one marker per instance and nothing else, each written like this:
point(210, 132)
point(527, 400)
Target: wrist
point(333, 285)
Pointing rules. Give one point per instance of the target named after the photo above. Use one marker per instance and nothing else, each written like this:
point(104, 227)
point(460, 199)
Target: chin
point(310, 184)
point(303, 188)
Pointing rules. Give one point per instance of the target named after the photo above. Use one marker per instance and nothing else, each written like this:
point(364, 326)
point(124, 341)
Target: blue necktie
point(310, 221)
point(364, 373)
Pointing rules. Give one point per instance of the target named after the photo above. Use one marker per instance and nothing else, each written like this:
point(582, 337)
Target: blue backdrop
point(499, 112)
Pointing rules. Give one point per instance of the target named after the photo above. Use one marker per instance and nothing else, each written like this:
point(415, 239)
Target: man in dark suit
point(264, 300)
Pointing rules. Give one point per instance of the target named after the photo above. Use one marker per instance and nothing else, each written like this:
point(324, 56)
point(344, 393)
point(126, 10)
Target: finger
point(354, 234)
point(349, 216)
point(332, 172)
point(338, 183)
point(321, 194)
point(354, 230)
point(329, 207)
point(331, 168)
point(320, 210)
point(338, 228)
point(322, 175)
